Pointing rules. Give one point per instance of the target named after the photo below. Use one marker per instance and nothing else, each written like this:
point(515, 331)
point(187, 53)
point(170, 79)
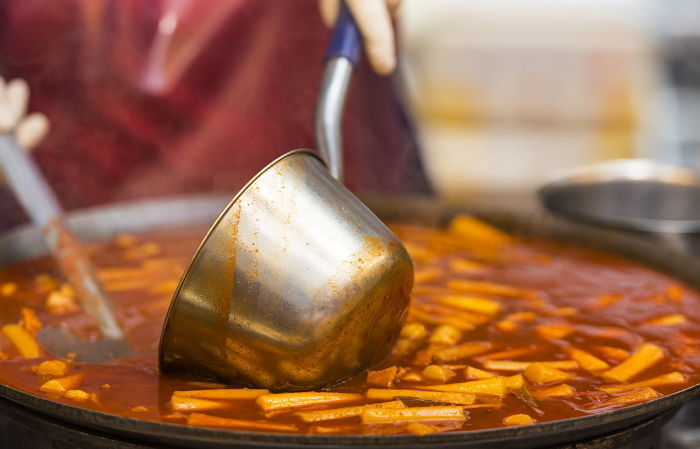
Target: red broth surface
point(500, 332)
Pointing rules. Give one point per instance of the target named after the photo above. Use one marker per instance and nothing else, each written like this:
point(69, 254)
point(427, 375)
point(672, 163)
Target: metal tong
point(40, 203)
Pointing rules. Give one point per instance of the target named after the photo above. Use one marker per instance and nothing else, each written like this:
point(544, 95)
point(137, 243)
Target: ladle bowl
point(297, 285)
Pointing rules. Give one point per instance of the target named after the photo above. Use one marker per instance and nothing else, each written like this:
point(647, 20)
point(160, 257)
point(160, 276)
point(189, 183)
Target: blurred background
point(491, 96)
point(503, 93)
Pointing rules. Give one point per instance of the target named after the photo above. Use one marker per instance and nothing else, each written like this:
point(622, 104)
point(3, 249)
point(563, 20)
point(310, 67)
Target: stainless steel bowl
point(633, 194)
point(654, 200)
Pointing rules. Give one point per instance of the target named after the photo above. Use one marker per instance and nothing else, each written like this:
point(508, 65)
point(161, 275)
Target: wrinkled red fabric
point(247, 97)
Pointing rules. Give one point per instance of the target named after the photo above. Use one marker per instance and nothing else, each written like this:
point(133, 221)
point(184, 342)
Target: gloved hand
point(373, 18)
point(30, 129)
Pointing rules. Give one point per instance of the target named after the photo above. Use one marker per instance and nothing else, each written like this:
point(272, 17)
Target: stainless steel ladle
point(298, 284)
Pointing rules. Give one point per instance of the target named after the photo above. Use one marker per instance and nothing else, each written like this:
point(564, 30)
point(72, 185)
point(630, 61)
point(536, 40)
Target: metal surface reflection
point(637, 195)
point(297, 285)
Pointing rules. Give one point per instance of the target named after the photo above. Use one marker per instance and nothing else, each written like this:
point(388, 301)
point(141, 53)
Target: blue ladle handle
point(345, 40)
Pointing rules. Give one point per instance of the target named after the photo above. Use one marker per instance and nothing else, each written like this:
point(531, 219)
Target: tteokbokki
point(501, 331)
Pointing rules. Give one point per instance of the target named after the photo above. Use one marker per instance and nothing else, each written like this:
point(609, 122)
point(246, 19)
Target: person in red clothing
point(167, 97)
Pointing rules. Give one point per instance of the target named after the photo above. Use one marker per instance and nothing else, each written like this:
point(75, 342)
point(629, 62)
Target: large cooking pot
point(77, 427)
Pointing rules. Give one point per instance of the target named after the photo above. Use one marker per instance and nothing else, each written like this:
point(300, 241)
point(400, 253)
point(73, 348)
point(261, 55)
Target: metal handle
point(342, 55)
point(40, 203)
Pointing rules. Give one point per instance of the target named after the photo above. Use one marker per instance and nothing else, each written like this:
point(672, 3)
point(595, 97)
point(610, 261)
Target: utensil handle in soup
point(40, 203)
point(341, 57)
point(77, 267)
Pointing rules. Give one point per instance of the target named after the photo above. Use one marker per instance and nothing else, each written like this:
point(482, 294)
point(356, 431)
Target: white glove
point(30, 129)
point(373, 18)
